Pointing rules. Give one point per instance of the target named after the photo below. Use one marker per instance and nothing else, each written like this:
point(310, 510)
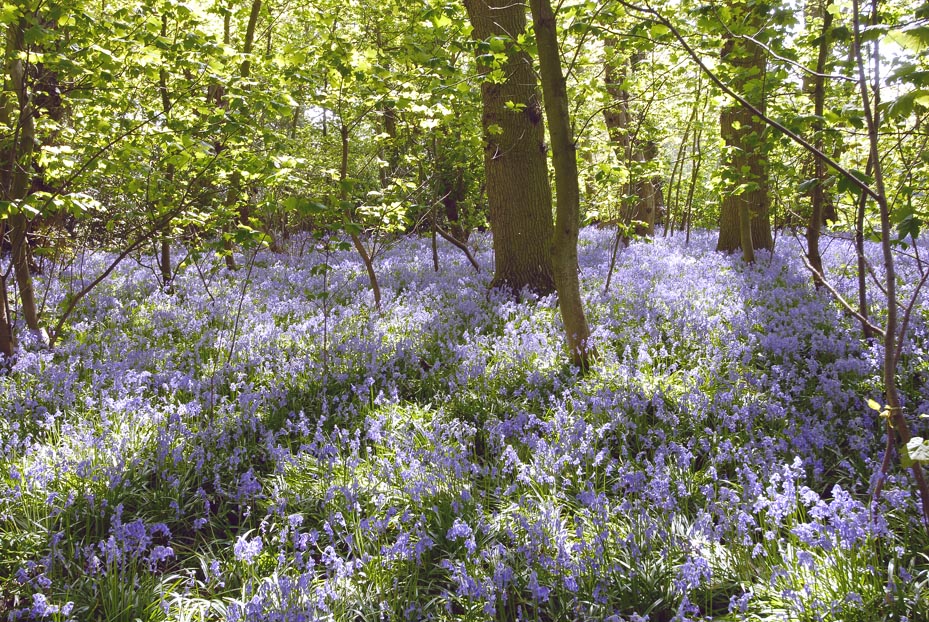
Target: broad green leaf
point(914, 38)
point(659, 30)
point(9, 13)
point(918, 449)
point(807, 185)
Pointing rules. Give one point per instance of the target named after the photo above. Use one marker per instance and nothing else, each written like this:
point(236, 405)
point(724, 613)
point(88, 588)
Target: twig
point(840, 299)
point(464, 247)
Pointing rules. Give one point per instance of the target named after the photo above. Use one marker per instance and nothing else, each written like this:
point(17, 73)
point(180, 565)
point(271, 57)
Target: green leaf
point(497, 44)
point(9, 13)
point(659, 30)
point(917, 450)
point(875, 32)
point(845, 184)
point(807, 184)
point(909, 73)
point(913, 38)
point(910, 226)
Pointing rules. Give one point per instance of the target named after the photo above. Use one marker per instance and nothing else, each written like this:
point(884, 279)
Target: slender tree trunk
point(249, 43)
point(366, 258)
point(16, 111)
point(517, 185)
point(677, 172)
point(7, 338)
point(7, 343)
point(694, 176)
point(564, 157)
point(866, 329)
point(897, 423)
point(818, 194)
point(164, 261)
point(234, 189)
point(164, 258)
point(435, 243)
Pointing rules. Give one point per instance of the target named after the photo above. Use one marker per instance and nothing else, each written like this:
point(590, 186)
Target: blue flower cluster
point(263, 445)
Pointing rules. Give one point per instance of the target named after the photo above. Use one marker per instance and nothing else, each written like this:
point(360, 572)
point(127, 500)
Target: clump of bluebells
point(262, 445)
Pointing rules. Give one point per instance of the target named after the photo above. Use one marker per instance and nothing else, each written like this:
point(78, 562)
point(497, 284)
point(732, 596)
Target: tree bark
point(518, 190)
point(7, 344)
point(164, 255)
point(896, 421)
point(366, 257)
point(567, 212)
point(451, 188)
point(234, 188)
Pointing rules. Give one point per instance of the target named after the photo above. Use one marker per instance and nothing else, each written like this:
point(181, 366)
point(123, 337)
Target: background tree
point(628, 130)
point(744, 220)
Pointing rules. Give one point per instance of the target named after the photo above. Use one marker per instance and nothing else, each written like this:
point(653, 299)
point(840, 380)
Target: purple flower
point(458, 530)
point(159, 554)
point(539, 592)
point(246, 550)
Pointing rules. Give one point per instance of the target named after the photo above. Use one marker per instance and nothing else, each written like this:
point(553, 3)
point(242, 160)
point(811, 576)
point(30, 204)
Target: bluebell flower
point(247, 549)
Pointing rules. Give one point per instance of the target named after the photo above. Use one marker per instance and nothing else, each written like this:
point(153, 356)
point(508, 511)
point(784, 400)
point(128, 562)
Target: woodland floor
point(263, 445)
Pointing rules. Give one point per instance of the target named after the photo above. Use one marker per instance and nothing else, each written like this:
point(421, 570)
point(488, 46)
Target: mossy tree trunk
point(567, 212)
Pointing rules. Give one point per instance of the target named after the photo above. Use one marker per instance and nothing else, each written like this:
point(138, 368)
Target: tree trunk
point(518, 190)
point(7, 343)
point(866, 329)
point(164, 257)
point(630, 149)
point(897, 424)
point(745, 160)
point(164, 261)
point(567, 213)
point(366, 257)
point(818, 193)
point(17, 112)
point(451, 188)
point(235, 179)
